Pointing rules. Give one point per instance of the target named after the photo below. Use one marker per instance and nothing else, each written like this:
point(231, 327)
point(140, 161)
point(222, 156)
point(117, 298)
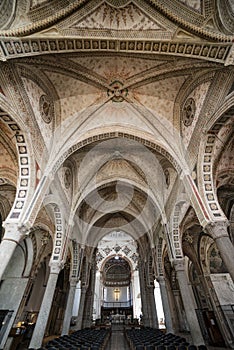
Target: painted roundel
point(45, 106)
point(67, 178)
point(188, 112)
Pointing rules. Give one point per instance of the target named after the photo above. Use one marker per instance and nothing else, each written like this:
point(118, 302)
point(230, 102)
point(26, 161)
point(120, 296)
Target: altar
point(117, 319)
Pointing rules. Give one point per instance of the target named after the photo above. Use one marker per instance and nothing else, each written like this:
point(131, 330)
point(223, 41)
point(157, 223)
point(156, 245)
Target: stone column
point(152, 311)
point(13, 235)
point(70, 302)
point(81, 308)
point(188, 302)
point(166, 305)
point(98, 296)
point(76, 300)
point(135, 291)
point(219, 233)
point(88, 310)
point(46, 304)
point(145, 318)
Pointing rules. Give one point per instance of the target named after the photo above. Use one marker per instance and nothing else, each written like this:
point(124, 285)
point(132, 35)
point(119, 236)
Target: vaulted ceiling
point(90, 71)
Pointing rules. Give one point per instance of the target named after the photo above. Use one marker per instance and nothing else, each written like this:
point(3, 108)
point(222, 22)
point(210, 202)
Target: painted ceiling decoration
point(142, 27)
point(167, 8)
point(116, 134)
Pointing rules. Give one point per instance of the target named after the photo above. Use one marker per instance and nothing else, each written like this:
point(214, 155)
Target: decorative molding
point(59, 235)
point(216, 94)
point(109, 135)
point(24, 167)
point(46, 22)
point(217, 229)
point(159, 256)
point(176, 233)
point(17, 93)
point(206, 177)
point(7, 12)
point(180, 15)
point(14, 48)
point(207, 181)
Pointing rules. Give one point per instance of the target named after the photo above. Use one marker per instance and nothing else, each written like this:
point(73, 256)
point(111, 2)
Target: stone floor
point(117, 340)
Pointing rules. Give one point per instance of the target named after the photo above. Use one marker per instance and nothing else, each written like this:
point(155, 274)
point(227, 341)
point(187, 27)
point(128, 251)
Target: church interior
point(116, 174)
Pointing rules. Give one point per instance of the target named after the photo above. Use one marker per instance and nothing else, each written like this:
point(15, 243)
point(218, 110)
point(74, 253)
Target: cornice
point(25, 47)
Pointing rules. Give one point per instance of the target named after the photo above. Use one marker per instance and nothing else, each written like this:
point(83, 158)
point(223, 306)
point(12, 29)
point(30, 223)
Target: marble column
point(76, 300)
point(145, 315)
point(219, 233)
point(13, 235)
point(81, 308)
point(44, 312)
point(98, 295)
point(166, 305)
point(69, 307)
point(188, 302)
point(135, 291)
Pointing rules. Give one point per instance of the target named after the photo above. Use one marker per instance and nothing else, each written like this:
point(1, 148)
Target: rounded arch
point(207, 158)
point(134, 229)
point(26, 179)
point(109, 257)
point(119, 132)
point(113, 248)
point(160, 246)
point(87, 139)
point(59, 237)
point(147, 211)
point(179, 210)
point(76, 252)
point(114, 180)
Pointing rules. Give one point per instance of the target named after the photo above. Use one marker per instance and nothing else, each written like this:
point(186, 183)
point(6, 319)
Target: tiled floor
point(117, 340)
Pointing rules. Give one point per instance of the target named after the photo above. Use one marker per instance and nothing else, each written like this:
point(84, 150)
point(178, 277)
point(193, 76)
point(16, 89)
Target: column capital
point(73, 282)
point(84, 288)
point(217, 229)
point(179, 264)
point(56, 267)
point(160, 279)
point(15, 232)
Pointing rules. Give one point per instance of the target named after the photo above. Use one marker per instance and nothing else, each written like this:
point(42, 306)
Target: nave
point(117, 339)
point(121, 337)
point(116, 169)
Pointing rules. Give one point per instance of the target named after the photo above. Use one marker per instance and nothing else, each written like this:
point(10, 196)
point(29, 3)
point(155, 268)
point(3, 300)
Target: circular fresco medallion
point(188, 112)
point(45, 106)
